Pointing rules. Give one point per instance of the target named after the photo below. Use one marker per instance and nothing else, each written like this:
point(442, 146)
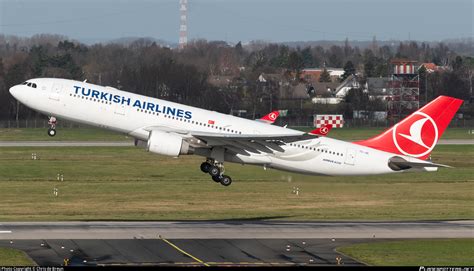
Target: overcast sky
point(244, 20)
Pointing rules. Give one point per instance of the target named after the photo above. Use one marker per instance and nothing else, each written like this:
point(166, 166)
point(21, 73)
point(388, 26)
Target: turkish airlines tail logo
point(270, 117)
point(322, 131)
point(417, 134)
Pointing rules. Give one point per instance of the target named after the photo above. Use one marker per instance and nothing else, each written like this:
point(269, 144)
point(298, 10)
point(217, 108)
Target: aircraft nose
point(14, 91)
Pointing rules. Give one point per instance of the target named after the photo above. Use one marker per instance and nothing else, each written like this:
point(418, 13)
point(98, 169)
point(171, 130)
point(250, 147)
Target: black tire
point(216, 179)
point(205, 167)
point(51, 132)
point(214, 171)
point(226, 180)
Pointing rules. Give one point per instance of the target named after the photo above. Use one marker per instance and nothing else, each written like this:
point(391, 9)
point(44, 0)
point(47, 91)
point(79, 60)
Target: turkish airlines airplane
point(174, 129)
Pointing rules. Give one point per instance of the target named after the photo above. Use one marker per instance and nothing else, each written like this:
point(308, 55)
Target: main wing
point(244, 144)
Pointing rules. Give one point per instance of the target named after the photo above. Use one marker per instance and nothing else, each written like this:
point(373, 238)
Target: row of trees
point(183, 75)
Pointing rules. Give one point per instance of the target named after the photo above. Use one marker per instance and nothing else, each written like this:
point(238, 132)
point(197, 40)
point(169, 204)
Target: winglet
point(322, 131)
point(270, 117)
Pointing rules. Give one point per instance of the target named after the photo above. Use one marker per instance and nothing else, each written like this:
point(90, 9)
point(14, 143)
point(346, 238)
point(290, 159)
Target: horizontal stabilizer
point(398, 163)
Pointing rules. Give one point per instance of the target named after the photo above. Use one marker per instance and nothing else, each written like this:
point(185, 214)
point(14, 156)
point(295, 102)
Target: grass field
point(129, 184)
point(95, 134)
point(449, 252)
point(13, 257)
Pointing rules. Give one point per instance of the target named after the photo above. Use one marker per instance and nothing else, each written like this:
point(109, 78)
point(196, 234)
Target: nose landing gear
point(51, 132)
point(52, 126)
point(216, 170)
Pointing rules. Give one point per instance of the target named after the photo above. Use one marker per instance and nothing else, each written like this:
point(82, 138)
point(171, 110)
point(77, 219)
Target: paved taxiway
point(208, 252)
point(131, 143)
point(210, 242)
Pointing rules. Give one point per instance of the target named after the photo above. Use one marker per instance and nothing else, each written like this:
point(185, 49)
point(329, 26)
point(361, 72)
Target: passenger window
point(29, 84)
point(34, 85)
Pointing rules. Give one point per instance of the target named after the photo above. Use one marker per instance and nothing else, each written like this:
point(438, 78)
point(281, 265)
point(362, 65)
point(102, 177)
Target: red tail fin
point(270, 117)
point(417, 134)
point(322, 131)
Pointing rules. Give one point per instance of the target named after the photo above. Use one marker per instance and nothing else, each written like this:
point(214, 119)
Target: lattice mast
point(183, 25)
point(404, 89)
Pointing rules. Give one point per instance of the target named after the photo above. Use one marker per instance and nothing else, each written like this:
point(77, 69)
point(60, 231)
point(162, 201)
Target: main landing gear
point(216, 170)
point(52, 126)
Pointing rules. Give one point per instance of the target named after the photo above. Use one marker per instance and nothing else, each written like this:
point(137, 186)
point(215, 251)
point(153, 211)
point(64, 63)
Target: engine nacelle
point(140, 143)
point(167, 144)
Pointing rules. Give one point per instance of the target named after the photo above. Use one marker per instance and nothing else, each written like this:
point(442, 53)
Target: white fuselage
point(118, 110)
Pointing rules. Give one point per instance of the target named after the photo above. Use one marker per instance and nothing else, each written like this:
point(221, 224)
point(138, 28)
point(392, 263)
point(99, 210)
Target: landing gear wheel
point(205, 167)
point(51, 132)
point(217, 179)
point(214, 171)
point(52, 126)
point(225, 180)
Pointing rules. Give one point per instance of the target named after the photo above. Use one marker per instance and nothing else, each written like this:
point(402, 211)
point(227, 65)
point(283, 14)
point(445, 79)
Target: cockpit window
point(29, 84)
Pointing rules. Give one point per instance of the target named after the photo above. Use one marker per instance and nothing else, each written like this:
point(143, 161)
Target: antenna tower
point(183, 26)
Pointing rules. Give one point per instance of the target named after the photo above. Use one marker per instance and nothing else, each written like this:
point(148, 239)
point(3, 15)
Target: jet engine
point(167, 144)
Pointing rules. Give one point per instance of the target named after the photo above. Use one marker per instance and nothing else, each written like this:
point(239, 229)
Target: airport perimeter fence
point(367, 123)
point(350, 123)
point(38, 123)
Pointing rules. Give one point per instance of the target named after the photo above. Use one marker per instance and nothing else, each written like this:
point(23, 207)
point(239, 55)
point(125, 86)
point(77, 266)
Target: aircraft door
point(350, 157)
point(119, 109)
point(56, 91)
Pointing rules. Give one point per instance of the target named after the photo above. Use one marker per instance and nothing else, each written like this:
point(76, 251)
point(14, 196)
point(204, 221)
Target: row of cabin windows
point(316, 149)
point(29, 84)
point(191, 121)
point(90, 99)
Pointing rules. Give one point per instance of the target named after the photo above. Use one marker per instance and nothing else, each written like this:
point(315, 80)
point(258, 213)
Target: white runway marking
point(5, 231)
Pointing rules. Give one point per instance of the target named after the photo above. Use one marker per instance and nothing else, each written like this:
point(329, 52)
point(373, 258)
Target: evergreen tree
point(2, 71)
point(295, 62)
point(238, 48)
point(369, 68)
point(457, 64)
point(349, 70)
point(307, 57)
point(325, 76)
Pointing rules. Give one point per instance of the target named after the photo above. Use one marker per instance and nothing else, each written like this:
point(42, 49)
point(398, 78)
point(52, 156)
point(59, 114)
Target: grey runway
point(130, 143)
point(236, 230)
point(66, 143)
